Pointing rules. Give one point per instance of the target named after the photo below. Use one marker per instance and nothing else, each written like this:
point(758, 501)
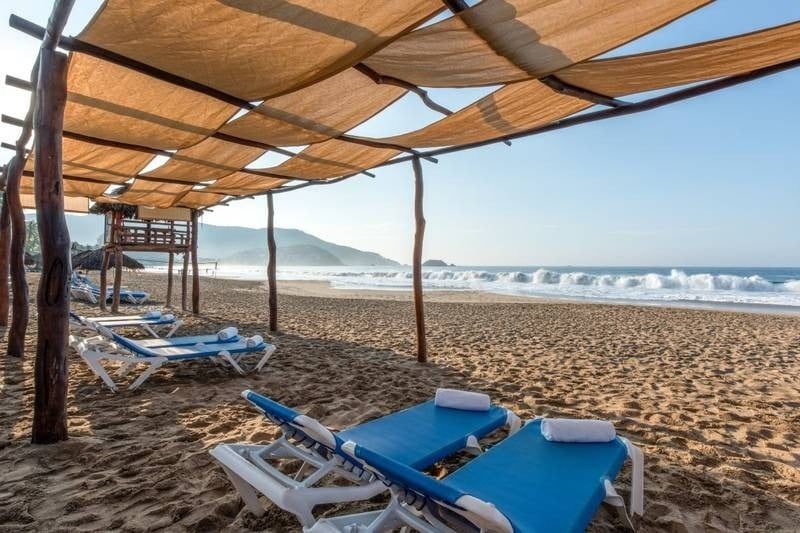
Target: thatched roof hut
point(93, 260)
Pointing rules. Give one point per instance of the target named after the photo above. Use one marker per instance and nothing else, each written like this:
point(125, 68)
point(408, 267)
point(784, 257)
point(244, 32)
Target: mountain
point(247, 246)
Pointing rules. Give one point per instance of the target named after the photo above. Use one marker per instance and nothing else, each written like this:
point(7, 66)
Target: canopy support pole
point(184, 280)
point(104, 278)
point(419, 218)
point(117, 277)
point(272, 266)
point(195, 271)
point(51, 379)
point(5, 237)
point(170, 265)
point(19, 285)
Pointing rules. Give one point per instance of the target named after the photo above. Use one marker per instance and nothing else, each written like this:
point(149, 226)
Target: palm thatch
point(93, 260)
point(101, 208)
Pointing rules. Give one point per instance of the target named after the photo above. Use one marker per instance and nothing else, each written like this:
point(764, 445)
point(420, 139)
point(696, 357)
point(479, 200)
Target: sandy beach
point(712, 397)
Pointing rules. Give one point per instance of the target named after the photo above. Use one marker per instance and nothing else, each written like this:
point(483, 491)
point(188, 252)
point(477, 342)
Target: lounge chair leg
point(267, 354)
point(153, 366)
point(227, 356)
point(246, 491)
point(175, 326)
point(149, 330)
point(124, 369)
point(92, 359)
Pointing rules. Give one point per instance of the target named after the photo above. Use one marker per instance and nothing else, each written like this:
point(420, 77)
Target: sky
point(711, 181)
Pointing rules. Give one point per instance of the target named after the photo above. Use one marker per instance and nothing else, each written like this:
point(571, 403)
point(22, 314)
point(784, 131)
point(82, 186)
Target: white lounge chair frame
point(96, 349)
point(248, 467)
point(89, 325)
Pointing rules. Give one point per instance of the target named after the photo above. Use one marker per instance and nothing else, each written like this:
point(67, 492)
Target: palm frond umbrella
point(93, 260)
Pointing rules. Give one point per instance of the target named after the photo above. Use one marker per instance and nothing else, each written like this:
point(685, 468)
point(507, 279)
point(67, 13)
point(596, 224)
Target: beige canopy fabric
point(207, 160)
point(511, 109)
point(331, 159)
point(154, 194)
point(118, 104)
point(688, 64)
point(200, 199)
point(254, 49)
point(72, 204)
point(501, 41)
point(72, 188)
point(324, 110)
point(243, 184)
point(114, 165)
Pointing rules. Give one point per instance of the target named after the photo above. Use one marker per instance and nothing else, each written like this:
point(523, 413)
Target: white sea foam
point(675, 286)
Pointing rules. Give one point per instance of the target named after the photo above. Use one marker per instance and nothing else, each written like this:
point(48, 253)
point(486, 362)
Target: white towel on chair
point(254, 341)
point(569, 430)
point(461, 399)
point(228, 333)
point(168, 318)
point(152, 314)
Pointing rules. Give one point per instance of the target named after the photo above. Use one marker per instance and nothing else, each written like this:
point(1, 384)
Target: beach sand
point(712, 397)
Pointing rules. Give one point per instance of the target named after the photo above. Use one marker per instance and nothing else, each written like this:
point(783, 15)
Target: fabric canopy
point(254, 49)
point(501, 41)
point(306, 72)
point(72, 204)
point(679, 66)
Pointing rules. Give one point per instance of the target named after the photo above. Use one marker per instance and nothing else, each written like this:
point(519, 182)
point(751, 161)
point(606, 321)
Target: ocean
point(709, 285)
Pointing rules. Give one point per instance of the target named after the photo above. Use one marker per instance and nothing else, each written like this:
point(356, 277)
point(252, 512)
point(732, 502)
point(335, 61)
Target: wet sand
point(712, 397)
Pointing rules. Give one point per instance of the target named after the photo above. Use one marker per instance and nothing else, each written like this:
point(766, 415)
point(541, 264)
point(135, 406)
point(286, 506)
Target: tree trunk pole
point(195, 271)
point(104, 278)
point(184, 281)
point(5, 238)
point(272, 266)
point(169, 278)
point(419, 217)
point(117, 279)
point(19, 285)
point(52, 299)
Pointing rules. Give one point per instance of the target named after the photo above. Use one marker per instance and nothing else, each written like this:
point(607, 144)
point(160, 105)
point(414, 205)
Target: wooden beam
point(19, 285)
point(117, 266)
point(76, 45)
point(195, 271)
point(5, 247)
point(51, 380)
point(391, 80)
point(170, 265)
point(104, 278)
point(272, 268)
point(560, 86)
point(419, 235)
point(184, 281)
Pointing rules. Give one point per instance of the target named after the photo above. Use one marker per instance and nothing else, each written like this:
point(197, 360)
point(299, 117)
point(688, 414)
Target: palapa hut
point(93, 260)
point(243, 78)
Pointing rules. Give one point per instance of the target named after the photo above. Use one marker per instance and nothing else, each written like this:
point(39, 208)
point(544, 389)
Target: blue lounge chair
point(155, 352)
point(151, 324)
point(83, 288)
point(417, 437)
point(524, 484)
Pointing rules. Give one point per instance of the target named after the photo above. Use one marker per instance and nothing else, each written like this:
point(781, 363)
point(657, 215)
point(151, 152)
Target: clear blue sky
point(710, 181)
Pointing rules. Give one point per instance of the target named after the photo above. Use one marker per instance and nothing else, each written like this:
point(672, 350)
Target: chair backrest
point(419, 489)
point(125, 342)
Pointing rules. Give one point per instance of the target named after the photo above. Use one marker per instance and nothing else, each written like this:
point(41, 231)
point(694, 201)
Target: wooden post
point(51, 380)
point(272, 266)
point(117, 279)
point(104, 278)
point(5, 247)
point(19, 286)
point(184, 280)
point(195, 271)
point(419, 217)
point(169, 278)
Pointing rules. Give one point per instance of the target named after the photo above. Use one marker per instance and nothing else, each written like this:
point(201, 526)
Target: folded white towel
point(254, 341)
point(228, 333)
point(568, 430)
point(152, 314)
point(168, 318)
point(461, 399)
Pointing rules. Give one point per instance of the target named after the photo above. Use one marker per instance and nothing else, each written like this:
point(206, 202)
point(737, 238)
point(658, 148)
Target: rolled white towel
point(569, 430)
point(168, 317)
point(461, 399)
point(152, 314)
point(254, 341)
point(228, 333)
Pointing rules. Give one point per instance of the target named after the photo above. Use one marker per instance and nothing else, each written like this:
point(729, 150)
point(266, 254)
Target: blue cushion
point(271, 407)
point(541, 485)
point(421, 435)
